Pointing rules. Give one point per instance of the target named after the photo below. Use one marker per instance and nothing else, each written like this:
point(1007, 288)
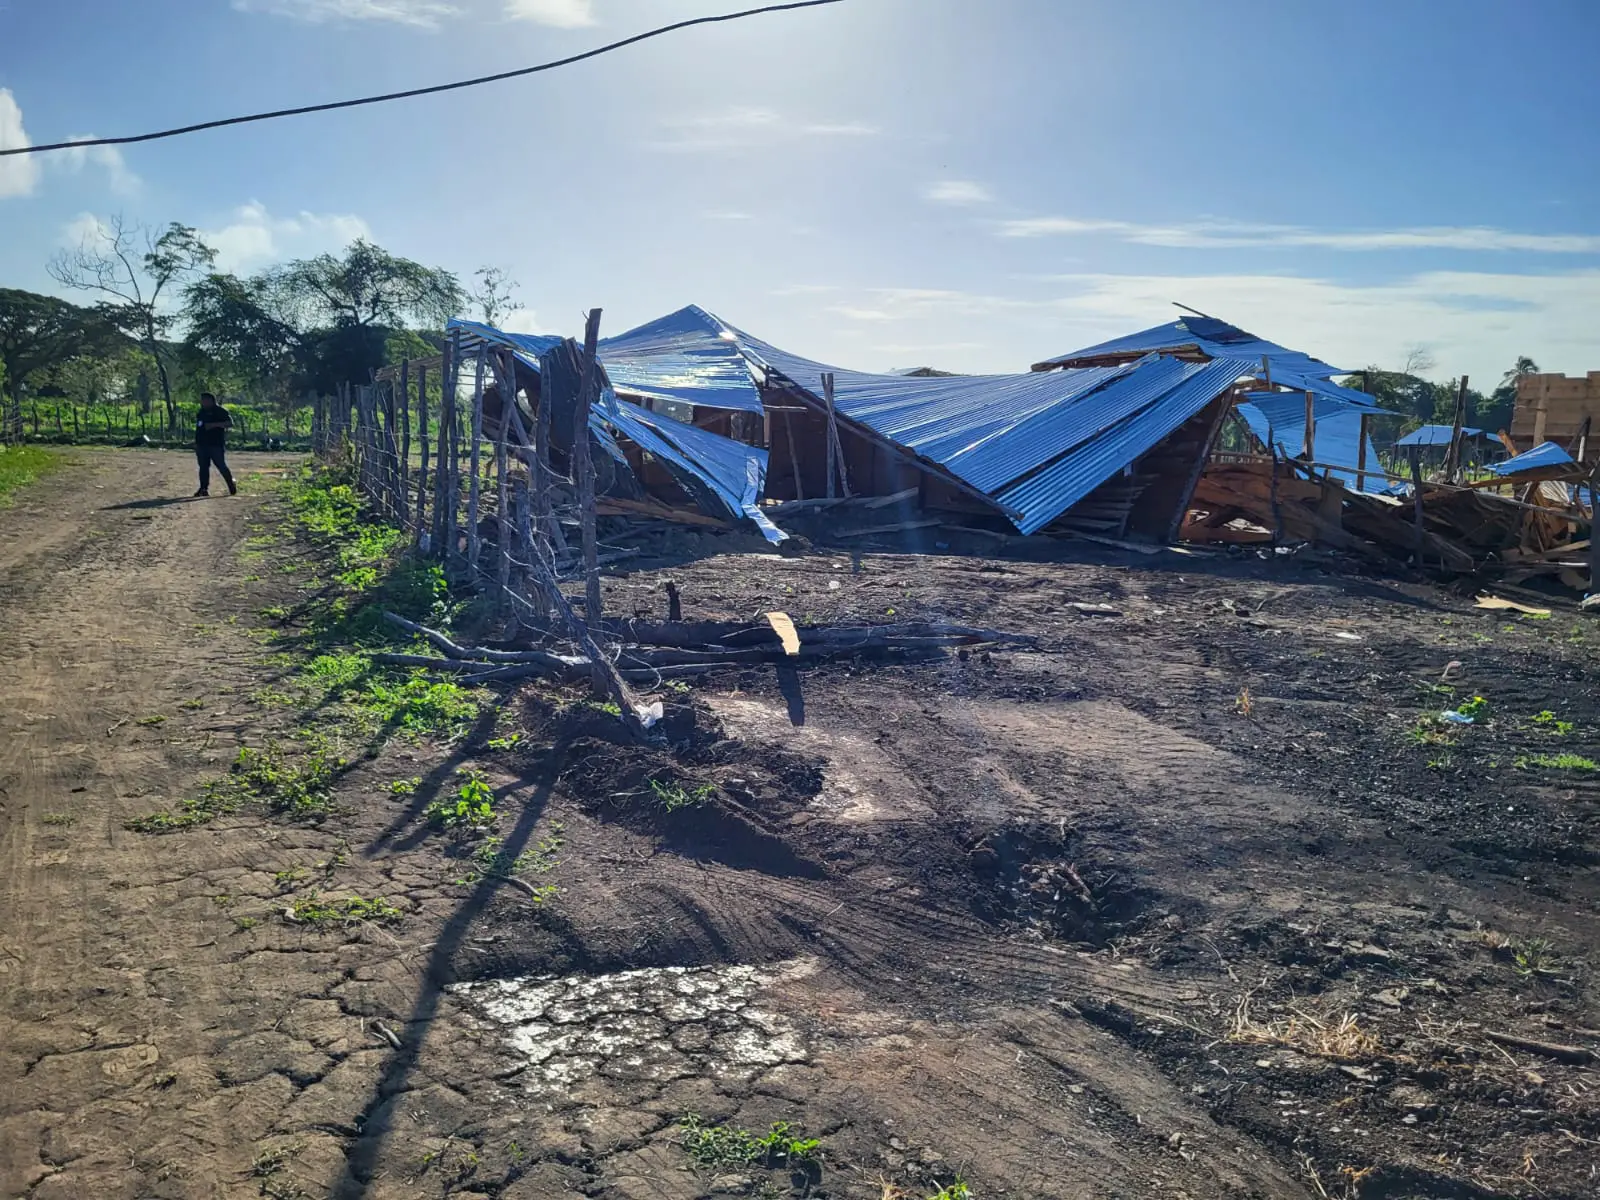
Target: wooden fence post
point(420, 532)
point(474, 547)
point(588, 386)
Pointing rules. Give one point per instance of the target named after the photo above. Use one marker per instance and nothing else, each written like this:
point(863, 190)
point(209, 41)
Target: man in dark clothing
point(210, 441)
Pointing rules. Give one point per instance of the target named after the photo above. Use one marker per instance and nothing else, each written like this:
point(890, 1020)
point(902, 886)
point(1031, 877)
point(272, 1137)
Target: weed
point(312, 910)
point(164, 1080)
point(58, 819)
point(1534, 956)
point(1554, 724)
point(725, 1146)
point(265, 776)
point(151, 721)
point(275, 612)
point(670, 797)
point(288, 878)
point(420, 705)
point(339, 672)
point(270, 1162)
point(405, 787)
point(1475, 710)
point(1244, 704)
point(1536, 616)
point(340, 857)
point(510, 741)
point(21, 465)
point(491, 860)
point(244, 924)
point(1557, 762)
point(192, 705)
point(1431, 730)
point(471, 809)
point(1435, 689)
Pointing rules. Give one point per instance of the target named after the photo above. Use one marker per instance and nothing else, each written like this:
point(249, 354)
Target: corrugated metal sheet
point(1435, 435)
point(731, 471)
point(526, 346)
point(1337, 438)
point(1212, 337)
point(1046, 495)
point(993, 430)
point(687, 356)
point(1542, 456)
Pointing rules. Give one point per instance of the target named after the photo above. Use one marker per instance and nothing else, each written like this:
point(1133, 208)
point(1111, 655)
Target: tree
point(1525, 366)
point(366, 287)
point(493, 295)
point(108, 261)
point(38, 332)
point(1503, 400)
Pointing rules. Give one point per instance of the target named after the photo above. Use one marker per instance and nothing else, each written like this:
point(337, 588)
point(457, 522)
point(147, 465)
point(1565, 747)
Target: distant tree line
point(1423, 402)
point(160, 325)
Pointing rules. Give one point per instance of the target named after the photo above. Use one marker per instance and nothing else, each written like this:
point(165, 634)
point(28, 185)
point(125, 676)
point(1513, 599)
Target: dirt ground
point(1168, 903)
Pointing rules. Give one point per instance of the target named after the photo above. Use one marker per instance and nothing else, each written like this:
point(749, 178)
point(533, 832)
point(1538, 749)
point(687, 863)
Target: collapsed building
point(700, 422)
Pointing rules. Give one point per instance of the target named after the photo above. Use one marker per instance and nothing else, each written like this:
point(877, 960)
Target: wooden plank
point(1309, 445)
point(1452, 461)
point(614, 506)
point(1361, 454)
point(894, 498)
point(475, 452)
point(897, 527)
point(588, 389)
point(1541, 410)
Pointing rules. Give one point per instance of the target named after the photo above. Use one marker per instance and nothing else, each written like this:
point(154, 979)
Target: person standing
point(210, 443)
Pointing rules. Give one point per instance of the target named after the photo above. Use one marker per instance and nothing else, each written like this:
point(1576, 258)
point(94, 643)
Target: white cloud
point(749, 126)
point(123, 181)
point(1226, 235)
point(254, 238)
point(1477, 322)
point(523, 320)
point(958, 192)
point(563, 14)
point(85, 230)
point(422, 14)
point(19, 174)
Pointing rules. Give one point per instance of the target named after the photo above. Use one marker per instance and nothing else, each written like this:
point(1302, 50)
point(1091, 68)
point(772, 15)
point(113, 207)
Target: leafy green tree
point(37, 332)
point(109, 261)
point(493, 295)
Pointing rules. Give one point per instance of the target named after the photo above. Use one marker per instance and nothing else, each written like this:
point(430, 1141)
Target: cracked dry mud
point(874, 929)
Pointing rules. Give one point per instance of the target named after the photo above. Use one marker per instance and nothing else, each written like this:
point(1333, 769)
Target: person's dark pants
point(206, 456)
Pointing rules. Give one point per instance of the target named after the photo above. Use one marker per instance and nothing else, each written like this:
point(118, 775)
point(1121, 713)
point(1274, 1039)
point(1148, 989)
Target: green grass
point(1475, 710)
point(405, 787)
point(58, 818)
point(713, 1146)
point(21, 465)
point(313, 910)
point(1552, 723)
point(1431, 730)
point(1534, 956)
point(670, 797)
point(1558, 762)
point(492, 860)
point(297, 787)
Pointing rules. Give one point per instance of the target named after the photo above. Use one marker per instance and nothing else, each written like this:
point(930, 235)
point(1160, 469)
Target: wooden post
point(1266, 371)
point(1541, 410)
point(794, 455)
point(1594, 530)
point(1452, 462)
point(827, 401)
point(1361, 454)
point(1272, 485)
point(474, 542)
point(1414, 453)
point(420, 529)
point(588, 386)
point(403, 499)
point(508, 400)
point(443, 518)
point(1310, 445)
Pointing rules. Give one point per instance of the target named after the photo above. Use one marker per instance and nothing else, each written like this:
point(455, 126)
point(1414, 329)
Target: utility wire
point(423, 91)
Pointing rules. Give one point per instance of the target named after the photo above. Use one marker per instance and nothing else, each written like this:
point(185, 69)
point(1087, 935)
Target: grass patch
point(58, 818)
point(301, 788)
point(510, 741)
point(712, 1146)
point(405, 787)
point(1548, 721)
point(493, 861)
point(313, 910)
point(1557, 762)
point(1342, 1038)
point(1431, 730)
point(1534, 956)
point(21, 465)
point(151, 722)
point(670, 797)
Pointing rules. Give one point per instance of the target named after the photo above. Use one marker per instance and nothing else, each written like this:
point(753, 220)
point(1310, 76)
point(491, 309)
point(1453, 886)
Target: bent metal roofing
point(1034, 444)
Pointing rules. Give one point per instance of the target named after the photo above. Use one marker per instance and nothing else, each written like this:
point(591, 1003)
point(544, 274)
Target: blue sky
point(883, 183)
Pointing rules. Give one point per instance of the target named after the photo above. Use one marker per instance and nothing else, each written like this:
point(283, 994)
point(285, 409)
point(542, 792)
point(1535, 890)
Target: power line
point(423, 91)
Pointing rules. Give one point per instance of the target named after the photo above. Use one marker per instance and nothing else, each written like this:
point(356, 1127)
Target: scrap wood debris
point(646, 652)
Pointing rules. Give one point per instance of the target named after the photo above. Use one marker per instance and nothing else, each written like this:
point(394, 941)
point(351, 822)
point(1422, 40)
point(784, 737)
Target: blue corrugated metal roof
point(687, 356)
point(733, 472)
point(1542, 456)
point(991, 431)
point(1043, 497)
point(1435, 435)
point(1280, 418)
point(527, 346)
point(1214, 338)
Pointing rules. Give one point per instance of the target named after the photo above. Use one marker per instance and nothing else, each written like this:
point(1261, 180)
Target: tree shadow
point(789, 685)
point(432, 783)
point(160, 502)
point(375, 1121)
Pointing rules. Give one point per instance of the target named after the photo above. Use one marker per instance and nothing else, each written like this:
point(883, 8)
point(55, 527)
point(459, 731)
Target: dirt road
point(1063, 922)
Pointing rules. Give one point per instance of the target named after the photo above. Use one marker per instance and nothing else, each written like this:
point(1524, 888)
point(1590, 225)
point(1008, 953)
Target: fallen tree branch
point(1567, 1054)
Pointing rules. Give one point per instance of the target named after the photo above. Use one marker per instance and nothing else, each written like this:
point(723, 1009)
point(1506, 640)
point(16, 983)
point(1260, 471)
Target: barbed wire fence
point(479, 492)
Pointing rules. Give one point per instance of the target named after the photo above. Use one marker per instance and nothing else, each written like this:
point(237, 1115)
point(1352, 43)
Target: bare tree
point(111, 262)
point(1418, 360)
point(492, 294)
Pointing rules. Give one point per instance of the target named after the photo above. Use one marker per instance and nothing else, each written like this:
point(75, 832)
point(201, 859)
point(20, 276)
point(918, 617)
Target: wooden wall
point(1552, 408)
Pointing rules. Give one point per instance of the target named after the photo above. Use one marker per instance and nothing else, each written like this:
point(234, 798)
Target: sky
point(879, 184)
